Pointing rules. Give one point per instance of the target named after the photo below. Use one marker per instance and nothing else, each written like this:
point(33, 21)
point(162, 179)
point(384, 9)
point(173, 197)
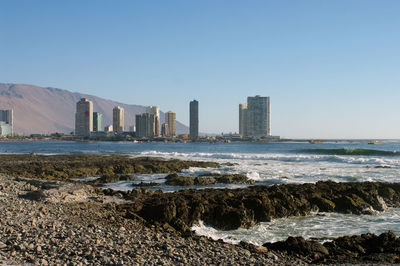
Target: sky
point(331, 68)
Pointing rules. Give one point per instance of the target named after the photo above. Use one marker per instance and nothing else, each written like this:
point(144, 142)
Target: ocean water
point(266, 164)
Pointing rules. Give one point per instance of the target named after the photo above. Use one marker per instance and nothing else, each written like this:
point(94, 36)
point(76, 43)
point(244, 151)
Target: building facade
point(141, 126)
point(5, 129)
point(165, 130)
point(97, 121)
point(145, 125)
point(194, 120)
point(118, 119)
point(258, 117)
point(155, 111)
point(6, 118)
point(132, 128)
point(170, 120)
point(108, 128)
point(84, 118)
point(243, 120)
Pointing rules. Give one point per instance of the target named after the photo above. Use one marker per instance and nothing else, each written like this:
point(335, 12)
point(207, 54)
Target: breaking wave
point(354, 152)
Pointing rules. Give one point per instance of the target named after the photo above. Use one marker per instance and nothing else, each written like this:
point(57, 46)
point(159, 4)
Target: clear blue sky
point(331, 68)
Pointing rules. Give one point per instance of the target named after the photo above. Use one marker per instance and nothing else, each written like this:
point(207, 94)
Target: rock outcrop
point(111, 168)
point(230, 209)
point(205, 180)
point(365, 248)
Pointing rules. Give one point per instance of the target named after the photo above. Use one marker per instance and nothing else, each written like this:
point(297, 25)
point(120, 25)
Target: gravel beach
point(61, 223)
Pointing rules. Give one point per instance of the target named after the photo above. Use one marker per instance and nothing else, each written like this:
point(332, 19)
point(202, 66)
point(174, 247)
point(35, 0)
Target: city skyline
point(330, 66)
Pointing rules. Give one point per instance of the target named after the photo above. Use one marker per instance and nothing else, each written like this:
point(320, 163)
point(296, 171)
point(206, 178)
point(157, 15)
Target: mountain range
point(47, 110)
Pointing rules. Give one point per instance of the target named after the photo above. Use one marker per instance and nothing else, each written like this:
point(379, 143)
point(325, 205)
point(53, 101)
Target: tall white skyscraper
point(84, 117)
point(258, 117)
point(154, 110)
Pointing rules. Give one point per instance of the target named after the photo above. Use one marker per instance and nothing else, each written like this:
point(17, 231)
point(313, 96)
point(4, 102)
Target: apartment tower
point(258, 117)
point(170, 120)
point(6, 117)
point(145, 125)
point(84, 118)
point(97, 121)
point(155, 111)
point(243, 120)
point(118, 119)
point(194, 120)
point(164, 130)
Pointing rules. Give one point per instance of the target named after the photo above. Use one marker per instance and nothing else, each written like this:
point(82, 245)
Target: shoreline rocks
point(365, 248)
point(229, 209)
point(68, 232)
point(204, 180)
point(75, 223)
point(109, 167)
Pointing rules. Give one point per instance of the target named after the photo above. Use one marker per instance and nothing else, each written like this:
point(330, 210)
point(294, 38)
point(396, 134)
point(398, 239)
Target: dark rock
point(229, 209)
point(253, 248)
point(175, 180)
point(298, 245)
point(205, 180)
point(111, 168)
point(146, 184)
point(234, 179)
point(365, 248)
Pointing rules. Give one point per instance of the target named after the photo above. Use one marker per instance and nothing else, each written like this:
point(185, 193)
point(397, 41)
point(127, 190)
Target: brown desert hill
point(48, 110)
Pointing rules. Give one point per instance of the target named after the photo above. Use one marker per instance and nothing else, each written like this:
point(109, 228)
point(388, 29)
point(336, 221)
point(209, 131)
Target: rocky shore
point(48, 219)
point(229, 209)
point(58, 223)
point(109, 168)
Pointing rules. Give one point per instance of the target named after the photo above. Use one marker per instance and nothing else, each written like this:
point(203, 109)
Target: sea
point(267, 164)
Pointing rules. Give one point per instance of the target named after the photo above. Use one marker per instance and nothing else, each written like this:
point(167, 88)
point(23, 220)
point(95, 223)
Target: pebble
point(57, 233)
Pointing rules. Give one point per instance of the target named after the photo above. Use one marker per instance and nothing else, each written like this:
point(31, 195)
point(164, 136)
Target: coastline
point(47, 218)
point(77, 231)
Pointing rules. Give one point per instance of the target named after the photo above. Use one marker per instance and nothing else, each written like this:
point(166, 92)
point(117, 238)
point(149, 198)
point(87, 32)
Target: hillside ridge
point(45, 110)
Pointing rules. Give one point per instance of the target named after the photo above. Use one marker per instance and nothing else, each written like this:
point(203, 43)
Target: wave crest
point(344, 151)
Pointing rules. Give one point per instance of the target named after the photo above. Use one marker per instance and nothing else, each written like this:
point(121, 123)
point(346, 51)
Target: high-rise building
point(165, 130)
point(170, 119)
point(84, 117)
point(145, 125)
point(118, 119)
point(243, 120)
point(6, 116)
point(97, 121)
point(258, 117)
point(155, 111)
point(141, 126)
point(194, 120)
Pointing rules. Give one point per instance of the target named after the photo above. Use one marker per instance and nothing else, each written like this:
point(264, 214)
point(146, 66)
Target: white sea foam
point(322, 226)
point(253, 175)
point(86, 179)
point(283, 157)
point(294, 168)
